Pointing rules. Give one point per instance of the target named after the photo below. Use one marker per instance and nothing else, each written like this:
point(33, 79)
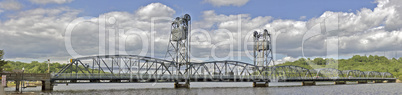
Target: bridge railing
point(333, 78)
point(164, 76)
point(154, 76)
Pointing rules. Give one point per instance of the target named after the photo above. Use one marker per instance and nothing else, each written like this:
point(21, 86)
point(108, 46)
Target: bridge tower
point(179, 49)
point(263, 55)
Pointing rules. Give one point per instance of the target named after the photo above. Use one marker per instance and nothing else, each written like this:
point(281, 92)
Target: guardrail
point(66, 76)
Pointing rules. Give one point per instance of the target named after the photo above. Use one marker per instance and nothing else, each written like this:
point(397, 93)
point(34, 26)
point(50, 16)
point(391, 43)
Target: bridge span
point(134, 68)
point(142, 69)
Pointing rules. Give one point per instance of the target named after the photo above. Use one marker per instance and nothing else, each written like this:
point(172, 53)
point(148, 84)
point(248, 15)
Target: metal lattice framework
point(178, 67)
point(328, 73)
point(179, 46)
point(353, 73)
point(146, 68)
point(136, 68)
point(290, 72)
point(263, 55)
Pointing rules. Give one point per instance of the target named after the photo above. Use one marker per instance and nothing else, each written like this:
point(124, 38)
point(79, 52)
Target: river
point(218, 88)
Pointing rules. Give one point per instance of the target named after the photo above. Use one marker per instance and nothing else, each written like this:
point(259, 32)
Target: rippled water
point(212, 88)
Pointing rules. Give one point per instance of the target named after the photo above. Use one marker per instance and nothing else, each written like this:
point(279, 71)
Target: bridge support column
point(134, 80)
point(308, 83)
point(390, 81)
point(340, 82)
point(47, 85)
point(185, 85)
point(378, 81)
point(115, 80)
point(260, 84)
point(73, 81)
point(94, 81)
point(17, 85)
point(361, 81)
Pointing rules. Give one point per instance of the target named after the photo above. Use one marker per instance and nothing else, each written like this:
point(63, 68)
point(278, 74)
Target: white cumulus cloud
point(154, 10)
point(39, 33)
point(50, 1)
point(227, 2)
point(10, 5)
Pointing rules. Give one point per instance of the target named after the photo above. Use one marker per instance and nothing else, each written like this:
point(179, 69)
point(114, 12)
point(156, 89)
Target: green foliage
point(2, 62)
point(400, 77)
point(357, 62)
point(319, 61)
point(40, 67)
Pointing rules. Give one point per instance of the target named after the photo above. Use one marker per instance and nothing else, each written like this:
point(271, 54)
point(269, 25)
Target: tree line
point(357, 62)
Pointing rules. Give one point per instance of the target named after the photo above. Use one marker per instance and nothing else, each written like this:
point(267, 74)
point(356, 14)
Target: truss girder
point(114, 66)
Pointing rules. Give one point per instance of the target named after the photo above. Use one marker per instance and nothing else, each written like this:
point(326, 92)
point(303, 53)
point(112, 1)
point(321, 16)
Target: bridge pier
point(94, 81)
point(340, 82)
point(378, 81)
point(47, 85)
point(178, 85)
point(73, 81)
point(17, 85)
point(115, 80)
point(308, 83)
point(361, 81)
point(390, 81)
point(133, 80)
point(260, 84)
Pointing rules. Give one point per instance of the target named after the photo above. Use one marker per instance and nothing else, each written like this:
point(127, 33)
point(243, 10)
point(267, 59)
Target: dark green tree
point(319, 61)
point(2, 61)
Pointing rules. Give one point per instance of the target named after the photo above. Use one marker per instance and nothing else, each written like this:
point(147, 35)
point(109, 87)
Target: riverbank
point(294, 88)
point(2, 92)
point(27, 84)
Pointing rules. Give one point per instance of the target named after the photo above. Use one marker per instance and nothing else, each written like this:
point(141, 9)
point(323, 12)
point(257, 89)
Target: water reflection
point(219, 88)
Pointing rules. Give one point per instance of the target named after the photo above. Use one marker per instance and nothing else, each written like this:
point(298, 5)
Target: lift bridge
point(177, 68)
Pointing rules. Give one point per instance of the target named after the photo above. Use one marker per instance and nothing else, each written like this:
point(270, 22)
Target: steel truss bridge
point(134, 68)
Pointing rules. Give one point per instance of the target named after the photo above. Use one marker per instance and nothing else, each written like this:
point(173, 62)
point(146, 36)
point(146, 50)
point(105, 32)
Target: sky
point(37, 30)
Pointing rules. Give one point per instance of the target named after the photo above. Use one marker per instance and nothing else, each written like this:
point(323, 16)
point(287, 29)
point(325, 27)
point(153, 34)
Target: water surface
point(214, 88)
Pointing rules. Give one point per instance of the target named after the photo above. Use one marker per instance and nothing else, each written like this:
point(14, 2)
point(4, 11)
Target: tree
point(319, 61)
point(2, 62)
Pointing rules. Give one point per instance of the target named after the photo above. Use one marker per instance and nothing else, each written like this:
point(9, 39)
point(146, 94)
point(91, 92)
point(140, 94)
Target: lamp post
point(48, 65)
point(22, 78)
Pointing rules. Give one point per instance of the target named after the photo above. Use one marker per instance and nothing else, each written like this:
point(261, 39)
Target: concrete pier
point(260, 84)
point(340, 82)
point(97, 81)
point(115, 80)
point(378, 81)
point(185, 85)
point(47, 85)
point(362, 82)
point(308, 83)
point(390, 81)
point(73, 81)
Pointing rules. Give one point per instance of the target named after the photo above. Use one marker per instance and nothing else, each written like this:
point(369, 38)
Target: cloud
point(10, 5)
point(39, 33)
point(50, 1)
point(302, 17)
point(285, 59)
point(363, 31)
point(219, 3)
point(154, 10)
point(35, 33)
